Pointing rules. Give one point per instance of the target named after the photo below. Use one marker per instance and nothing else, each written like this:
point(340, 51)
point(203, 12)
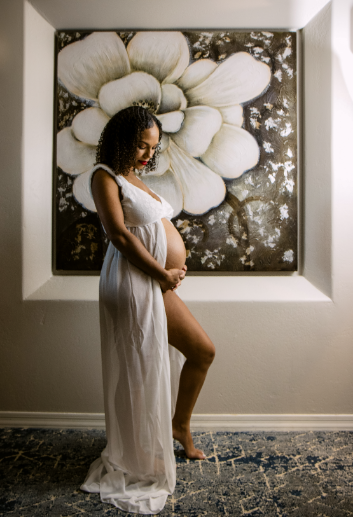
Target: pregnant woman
point(155, 355)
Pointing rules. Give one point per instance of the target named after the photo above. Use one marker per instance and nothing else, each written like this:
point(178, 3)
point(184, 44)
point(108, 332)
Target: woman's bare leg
point(187, 335)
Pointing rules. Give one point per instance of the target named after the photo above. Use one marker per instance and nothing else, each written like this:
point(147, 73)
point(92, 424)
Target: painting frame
point(190, 226)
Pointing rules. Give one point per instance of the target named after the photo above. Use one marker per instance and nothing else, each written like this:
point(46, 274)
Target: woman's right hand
point(172, 279)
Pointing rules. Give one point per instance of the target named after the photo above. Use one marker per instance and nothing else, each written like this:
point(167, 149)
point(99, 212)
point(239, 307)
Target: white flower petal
point(82, 191)
point(134, 88)
point(232, 115)
point(201, 123)
point(232, 152)
point(168, 187)
point(88, 125)
point(173, 99)
point(84, 66)
point(73, 156)
point(238, 79)
point(171, 122)
point(196, 73)
point(164, 142)
point(162, 54)
point(163, 164)
point(202, 188)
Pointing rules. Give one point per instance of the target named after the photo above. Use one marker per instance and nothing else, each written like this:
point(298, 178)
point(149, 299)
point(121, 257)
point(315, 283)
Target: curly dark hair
point(119, 139)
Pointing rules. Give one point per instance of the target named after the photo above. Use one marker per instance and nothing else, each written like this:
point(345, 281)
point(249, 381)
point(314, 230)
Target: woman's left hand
point(181, 277)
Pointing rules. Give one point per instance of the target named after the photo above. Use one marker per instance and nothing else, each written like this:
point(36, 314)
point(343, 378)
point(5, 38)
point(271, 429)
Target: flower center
point(148, 104)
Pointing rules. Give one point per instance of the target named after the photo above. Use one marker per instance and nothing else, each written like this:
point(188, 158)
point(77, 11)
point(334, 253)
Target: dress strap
point(116, 177)
point(103, 166)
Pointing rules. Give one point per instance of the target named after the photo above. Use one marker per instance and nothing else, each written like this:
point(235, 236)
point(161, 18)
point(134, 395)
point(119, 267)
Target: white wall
point(284, 343)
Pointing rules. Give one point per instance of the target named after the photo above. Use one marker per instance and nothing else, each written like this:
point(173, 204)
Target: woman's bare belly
point(176, 253)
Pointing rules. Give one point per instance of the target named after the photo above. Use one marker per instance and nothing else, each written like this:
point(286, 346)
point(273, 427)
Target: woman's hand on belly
point(172, 279)
point(181, 277)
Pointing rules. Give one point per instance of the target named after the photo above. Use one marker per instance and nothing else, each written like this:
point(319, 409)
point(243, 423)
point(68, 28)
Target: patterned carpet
point(254, 474)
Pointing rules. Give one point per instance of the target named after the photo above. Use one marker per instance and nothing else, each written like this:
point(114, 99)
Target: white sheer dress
point(136, 471)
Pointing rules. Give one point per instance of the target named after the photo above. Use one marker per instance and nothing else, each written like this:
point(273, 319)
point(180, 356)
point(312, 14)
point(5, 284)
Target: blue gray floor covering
point(252, 474)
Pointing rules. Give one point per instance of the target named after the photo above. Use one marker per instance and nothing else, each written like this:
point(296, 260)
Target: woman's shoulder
point(103, 167)
point(101, 170)
point(103, 178)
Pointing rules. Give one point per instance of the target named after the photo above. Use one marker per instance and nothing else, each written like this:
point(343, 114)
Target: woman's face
point(146, 146)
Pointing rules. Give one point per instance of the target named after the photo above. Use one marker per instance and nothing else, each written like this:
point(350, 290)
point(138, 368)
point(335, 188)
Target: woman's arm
point(106, 197)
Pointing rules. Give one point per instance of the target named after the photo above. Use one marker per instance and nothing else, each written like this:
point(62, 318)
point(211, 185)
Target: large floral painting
point(228, 167)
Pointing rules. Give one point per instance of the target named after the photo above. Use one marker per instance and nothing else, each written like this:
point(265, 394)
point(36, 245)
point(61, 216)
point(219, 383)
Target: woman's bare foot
point(183, 436)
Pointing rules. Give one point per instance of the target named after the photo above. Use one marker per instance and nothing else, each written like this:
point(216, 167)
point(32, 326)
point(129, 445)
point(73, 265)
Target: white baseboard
point(54, 420)
point(272, 422)
point(198, 422)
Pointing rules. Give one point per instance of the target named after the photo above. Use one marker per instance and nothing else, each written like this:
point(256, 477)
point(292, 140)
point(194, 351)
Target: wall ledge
point(206, 423)
point(68, 288)
point(294, 288)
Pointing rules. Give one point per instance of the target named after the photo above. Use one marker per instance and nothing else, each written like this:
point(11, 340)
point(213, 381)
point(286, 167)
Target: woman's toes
point(200, 455)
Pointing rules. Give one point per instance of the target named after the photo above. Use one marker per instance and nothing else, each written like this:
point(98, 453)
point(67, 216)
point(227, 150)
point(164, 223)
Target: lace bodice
point(139, 207)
